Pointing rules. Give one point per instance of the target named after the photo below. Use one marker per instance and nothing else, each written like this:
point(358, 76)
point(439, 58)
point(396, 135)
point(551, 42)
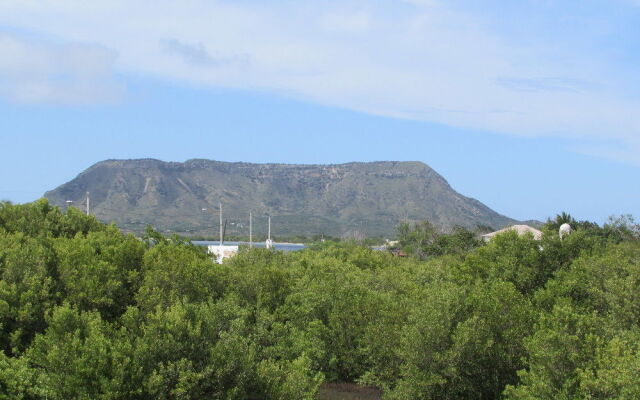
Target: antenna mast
point(269, 243)
point(224, 231)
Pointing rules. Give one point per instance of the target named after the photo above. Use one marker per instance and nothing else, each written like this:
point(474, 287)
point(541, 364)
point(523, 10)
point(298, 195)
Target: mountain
point(342, 199)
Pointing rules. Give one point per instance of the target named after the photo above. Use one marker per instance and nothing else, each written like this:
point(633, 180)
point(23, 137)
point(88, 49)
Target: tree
point(589, 311)
point(423, 239)
point(74, 357)
point(28, 289)
point(463, 342)
point(508, 257)
point(175, 271)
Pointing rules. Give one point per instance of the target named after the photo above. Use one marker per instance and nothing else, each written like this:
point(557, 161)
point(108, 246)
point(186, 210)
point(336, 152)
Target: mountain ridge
point(355, 198)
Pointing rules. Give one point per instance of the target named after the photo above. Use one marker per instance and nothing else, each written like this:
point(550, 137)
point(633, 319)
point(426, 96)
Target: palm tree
point(562, 218)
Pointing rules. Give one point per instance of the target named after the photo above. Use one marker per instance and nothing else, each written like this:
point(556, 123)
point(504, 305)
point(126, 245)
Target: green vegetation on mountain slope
point(89, 313)
point(354, 199)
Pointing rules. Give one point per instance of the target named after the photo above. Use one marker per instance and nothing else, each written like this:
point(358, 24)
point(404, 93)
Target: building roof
point(520, 230)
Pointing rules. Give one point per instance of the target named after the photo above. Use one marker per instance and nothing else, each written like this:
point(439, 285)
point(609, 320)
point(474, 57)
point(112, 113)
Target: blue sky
point(532, 107)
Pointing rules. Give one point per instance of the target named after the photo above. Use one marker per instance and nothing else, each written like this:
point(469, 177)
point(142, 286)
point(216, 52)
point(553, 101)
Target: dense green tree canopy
point(87, 312)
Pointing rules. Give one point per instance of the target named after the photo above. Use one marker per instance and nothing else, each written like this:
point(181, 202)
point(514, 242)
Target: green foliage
point(289, 381)
point(423, 240)
point(19, 381)
point(615, 230)
point(621, 228)
point(415, 239)
point(587, 312)
point(459, 242)
point(614, 372)
point(562, 218)
point(195, 351)
point(28, 289)
point(42, 219)
point(73, 357)
point(463, 342)
point(100, 271)
point(89, 313)
point(511, 258)
point(175, 271)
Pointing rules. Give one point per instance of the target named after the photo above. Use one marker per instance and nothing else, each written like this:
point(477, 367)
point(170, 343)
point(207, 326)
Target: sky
point(532, 107)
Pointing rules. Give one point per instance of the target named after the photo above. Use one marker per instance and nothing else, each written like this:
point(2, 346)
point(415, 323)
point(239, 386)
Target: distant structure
point(519, 229)
point(222, 251)
point(565, 229)
point(397, 253)
point(391, 243)
point(269, 243)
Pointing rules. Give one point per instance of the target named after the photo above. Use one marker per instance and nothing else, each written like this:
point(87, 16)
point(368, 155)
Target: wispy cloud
point(548, 84)
point(37, 71)
point(422, 59)
point(613, 151)
point(196, 54)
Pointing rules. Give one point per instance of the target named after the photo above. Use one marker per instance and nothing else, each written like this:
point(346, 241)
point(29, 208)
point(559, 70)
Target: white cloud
point(422, 3)
point(417, 59)
point(197, 55)
point(37, 71)
point(625, 151)
point(355, 22)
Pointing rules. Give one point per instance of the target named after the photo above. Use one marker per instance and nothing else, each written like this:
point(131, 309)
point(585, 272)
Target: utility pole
point(87, 203)
point(220, 224)
point(269, 243)
point(250, 231)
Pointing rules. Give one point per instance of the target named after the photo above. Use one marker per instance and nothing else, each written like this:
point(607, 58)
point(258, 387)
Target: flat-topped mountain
point(354, 198)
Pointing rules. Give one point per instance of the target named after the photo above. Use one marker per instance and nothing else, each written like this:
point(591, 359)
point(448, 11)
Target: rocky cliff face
point(354, 198)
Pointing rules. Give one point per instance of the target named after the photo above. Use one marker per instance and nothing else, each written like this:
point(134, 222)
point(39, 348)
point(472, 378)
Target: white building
point(519, 229)
point(222, 251)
